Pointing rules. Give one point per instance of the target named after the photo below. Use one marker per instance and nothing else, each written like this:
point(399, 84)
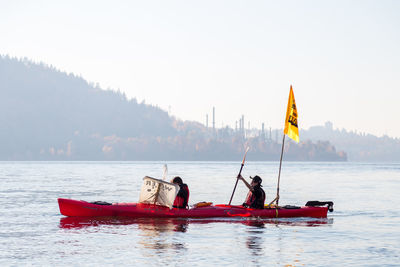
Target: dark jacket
point(182, 198)
point(255, 199)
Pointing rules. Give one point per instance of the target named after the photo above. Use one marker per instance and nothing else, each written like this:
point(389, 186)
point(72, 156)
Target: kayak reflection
point(182, 224)
point(162, 225)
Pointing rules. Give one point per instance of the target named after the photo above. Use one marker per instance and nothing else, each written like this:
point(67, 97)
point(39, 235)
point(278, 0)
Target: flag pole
point(292, 130)
point(279, 174)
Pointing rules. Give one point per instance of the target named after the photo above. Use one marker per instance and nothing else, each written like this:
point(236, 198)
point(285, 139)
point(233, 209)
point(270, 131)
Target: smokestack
point(207, 121)
point(214, 118)
point(243, 123)
point(262, 130)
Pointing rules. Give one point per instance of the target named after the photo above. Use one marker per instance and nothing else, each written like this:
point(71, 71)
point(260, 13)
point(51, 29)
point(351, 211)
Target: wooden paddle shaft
point(240, 172)
point(237, 179)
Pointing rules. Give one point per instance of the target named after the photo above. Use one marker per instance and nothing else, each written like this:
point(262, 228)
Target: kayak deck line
point(70, 207)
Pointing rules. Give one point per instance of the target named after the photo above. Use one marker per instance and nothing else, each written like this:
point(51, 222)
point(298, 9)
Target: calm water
point(364, 229)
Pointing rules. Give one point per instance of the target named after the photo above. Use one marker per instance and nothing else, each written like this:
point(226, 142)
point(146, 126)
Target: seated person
point(182, 198)
point(256, 197)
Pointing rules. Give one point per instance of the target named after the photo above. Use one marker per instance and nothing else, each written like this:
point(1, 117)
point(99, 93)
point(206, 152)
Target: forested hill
point(42, 107)
point(46, 114)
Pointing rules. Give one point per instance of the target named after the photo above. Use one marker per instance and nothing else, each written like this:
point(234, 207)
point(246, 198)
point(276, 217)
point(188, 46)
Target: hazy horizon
point(341, 58)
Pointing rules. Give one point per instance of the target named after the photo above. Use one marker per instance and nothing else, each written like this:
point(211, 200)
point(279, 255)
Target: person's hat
point(257, 179)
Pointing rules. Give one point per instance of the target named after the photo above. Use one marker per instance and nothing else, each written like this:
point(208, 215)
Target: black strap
point(100, 203)
point(316, 203)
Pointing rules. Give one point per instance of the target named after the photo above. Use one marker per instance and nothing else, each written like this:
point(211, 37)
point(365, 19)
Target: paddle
point(240, 172)
point(165, 172)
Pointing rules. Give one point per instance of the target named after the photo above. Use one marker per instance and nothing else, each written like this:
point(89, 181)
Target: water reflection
point(147, 225)
point(255, 237)
point(157, 225)
point(305, 222)
point(157, 237)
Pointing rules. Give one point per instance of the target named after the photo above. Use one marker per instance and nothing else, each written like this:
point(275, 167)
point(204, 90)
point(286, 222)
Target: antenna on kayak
point(165, 172)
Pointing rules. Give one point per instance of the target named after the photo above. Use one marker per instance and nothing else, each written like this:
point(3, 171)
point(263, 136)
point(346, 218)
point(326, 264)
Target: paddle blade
point(245, 153)
point(165, 172)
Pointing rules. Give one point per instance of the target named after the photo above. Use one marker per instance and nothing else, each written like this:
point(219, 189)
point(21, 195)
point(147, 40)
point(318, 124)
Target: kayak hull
point(70, 207)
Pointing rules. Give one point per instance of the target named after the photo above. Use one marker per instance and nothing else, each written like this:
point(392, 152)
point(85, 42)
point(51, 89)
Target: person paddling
point(256, 197)
point(182, 198)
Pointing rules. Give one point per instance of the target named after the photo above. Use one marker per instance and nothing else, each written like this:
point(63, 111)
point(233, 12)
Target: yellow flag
point(291, 127)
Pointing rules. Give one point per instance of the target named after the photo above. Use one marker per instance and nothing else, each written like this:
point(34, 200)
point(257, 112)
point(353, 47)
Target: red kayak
point(69, 207)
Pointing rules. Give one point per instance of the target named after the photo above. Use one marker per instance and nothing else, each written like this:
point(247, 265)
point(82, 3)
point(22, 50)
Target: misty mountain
point(42, 107)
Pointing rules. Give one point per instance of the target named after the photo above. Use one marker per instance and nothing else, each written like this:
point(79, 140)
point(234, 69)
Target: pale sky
point(342, 57)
